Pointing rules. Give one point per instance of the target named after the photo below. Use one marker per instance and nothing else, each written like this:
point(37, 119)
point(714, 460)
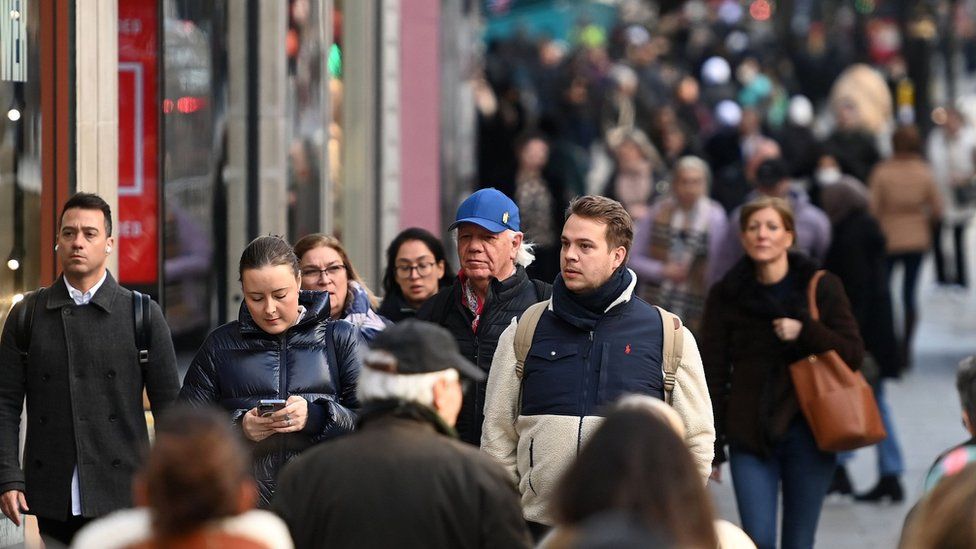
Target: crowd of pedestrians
point(640, 266)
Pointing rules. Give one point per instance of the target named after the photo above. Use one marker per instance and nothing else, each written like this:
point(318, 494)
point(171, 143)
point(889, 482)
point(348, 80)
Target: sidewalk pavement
point(926, 409)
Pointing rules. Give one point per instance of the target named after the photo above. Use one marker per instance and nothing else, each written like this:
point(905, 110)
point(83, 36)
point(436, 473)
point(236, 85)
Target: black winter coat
point(857, 257)
point(746, 365)
point(401, 480)
point(506, 299)
point(240, 364)
point(394, 308)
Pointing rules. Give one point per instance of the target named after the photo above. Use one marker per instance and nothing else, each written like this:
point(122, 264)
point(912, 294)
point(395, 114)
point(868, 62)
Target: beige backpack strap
point(674, 341)
point(524, 333)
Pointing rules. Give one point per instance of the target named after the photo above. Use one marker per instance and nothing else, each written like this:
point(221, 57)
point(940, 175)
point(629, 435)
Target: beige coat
point(905, 201)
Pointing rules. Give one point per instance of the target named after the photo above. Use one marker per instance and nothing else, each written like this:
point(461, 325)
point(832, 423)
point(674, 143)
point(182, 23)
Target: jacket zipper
point(282, 390)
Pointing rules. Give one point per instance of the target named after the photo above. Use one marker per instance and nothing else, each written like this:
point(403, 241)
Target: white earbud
point(108, 249)
point(55, 247)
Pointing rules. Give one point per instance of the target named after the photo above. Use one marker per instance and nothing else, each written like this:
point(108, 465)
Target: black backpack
point(140, 314)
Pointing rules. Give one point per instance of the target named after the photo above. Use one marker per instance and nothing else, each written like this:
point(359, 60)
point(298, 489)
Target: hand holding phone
point(267, 407)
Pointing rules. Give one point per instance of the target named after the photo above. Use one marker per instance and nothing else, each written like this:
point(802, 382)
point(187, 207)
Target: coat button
point(110, 374)
point(67, 311)
point(552, 353)
point(116, 463)
point(112, 417)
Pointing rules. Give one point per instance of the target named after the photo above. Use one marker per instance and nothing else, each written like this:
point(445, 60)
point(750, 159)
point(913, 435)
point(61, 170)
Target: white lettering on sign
point(130, 26)
point(130, 229)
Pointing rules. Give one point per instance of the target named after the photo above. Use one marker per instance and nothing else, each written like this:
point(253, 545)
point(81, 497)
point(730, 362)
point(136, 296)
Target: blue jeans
point(890, 460)
point(805, 473)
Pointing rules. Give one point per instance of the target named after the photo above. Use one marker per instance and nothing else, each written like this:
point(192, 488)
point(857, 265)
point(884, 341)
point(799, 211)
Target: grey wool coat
point(83, 384)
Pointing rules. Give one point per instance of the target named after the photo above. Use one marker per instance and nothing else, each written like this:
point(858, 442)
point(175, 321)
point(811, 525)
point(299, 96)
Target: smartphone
point(266, 407)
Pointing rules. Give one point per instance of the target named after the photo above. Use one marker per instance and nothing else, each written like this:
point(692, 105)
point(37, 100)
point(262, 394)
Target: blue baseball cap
point(490, 209)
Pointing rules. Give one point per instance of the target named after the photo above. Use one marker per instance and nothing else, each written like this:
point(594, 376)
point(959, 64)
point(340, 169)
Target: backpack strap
point(24, 323)
point(671, 349)
point(141, 314)
point(524, 333)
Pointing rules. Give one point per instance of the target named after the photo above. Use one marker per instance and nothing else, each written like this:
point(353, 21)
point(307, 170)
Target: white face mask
point(828, 176)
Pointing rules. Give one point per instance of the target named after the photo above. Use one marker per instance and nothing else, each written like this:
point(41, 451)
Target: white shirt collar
point(84, 298)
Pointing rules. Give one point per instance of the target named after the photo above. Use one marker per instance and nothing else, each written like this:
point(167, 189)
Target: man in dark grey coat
point(80, 372)
point(402, 479)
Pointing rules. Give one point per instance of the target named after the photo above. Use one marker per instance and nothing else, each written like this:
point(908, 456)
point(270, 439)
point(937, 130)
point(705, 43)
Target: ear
point(619, 256)
point(440, 394)
point(110, 242)
point(967, 423)
point(516, 243)
point(140, 491)
point(247, 496)
point(439, 269)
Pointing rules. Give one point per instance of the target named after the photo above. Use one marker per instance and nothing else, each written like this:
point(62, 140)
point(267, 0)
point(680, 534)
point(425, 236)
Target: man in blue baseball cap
point(491, 288)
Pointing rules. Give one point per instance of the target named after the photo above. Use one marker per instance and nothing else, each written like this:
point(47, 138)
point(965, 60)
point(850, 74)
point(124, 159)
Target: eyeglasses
point(329, 272)
point(423, 269)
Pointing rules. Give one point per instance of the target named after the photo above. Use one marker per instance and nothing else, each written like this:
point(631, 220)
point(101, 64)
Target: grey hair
point(377, 385)
point(525, 254)
point(691, 162)
point(966, 385)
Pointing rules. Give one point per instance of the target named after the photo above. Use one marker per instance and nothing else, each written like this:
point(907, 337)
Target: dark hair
point(620, 226)
point(89, 201)
point(966, 385)
point(781, 206)
point(906, 141)
point(635, 463)
point(944, 518)
point(268, 251)
point(433, 244)
point(195, 470)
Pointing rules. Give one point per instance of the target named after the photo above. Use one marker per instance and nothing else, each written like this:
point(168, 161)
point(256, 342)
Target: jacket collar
point(316, 310)
point(742, 275)
point(103, 299)
point(503, 290)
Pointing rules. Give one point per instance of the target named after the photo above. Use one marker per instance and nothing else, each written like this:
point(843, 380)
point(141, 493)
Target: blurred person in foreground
point(283, 346)
point(416, 269)
point(757, 322)
point(906, 202)
point(857, 257)
point(943, 519)
point(593, 342)
point(402, 479)
point(637, 464)
point(674, 243)
point(951, 151)
point(491, 288)
point(326, 267)
point(195, 490)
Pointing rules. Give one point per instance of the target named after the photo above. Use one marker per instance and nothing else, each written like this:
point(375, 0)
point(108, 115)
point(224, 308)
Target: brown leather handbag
point(837, 402)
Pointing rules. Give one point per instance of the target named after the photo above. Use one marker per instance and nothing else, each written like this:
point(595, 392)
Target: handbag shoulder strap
point(812, 294)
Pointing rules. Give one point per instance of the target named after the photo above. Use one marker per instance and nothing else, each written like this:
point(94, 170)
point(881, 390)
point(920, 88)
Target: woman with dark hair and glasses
point(283, 370)
point(415, 270)
point(325, 267)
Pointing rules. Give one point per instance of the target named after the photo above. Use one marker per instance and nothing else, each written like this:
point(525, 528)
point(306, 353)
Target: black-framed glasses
point(423, 269)
point(329, 272)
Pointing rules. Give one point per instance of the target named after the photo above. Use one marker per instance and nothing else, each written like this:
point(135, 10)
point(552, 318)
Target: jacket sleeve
point(499, 433)
point(330, 417)
point(716, 364)
point(13, 387)
point(200, 386)
point(692, 402)
point(647, 268)
point(160, 375)
point(837, 329)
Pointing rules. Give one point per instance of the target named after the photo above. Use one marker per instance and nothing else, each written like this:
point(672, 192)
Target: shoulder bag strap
point(812, 294)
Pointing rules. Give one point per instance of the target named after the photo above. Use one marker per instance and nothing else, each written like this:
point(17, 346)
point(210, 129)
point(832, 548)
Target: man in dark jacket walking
point(491, 289)
point(83, 380)
point(401, 479)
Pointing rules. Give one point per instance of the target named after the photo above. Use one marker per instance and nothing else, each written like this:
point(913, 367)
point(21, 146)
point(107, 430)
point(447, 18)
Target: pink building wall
point(420, 82)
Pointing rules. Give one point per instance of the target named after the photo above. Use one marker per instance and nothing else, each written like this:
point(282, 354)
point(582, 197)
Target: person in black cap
point(402, 479)
point(812, 225)
point(491, 288)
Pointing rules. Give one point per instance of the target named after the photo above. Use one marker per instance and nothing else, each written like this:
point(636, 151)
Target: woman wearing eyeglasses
point(325, 267)
point(415, 270)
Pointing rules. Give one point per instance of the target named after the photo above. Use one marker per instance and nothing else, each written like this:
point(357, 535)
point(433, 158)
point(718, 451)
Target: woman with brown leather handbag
point(757, 322)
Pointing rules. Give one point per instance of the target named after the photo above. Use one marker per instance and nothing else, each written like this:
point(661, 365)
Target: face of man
point(485, 254)
point(586, 259)
point(83, 244)
point(689, 186)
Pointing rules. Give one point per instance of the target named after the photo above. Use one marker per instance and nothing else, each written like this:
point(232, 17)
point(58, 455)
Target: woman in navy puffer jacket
point(283, 346)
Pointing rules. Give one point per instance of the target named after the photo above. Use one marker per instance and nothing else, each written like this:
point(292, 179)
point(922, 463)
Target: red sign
point(138, 231)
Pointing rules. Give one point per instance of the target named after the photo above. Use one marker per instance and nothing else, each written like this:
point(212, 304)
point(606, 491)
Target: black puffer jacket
point(240, 364)
point(506, 299)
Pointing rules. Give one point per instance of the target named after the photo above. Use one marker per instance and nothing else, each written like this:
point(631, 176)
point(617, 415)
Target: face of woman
point(324, 271)
point(417, 272)
point(271, 296)
point(766, 239)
